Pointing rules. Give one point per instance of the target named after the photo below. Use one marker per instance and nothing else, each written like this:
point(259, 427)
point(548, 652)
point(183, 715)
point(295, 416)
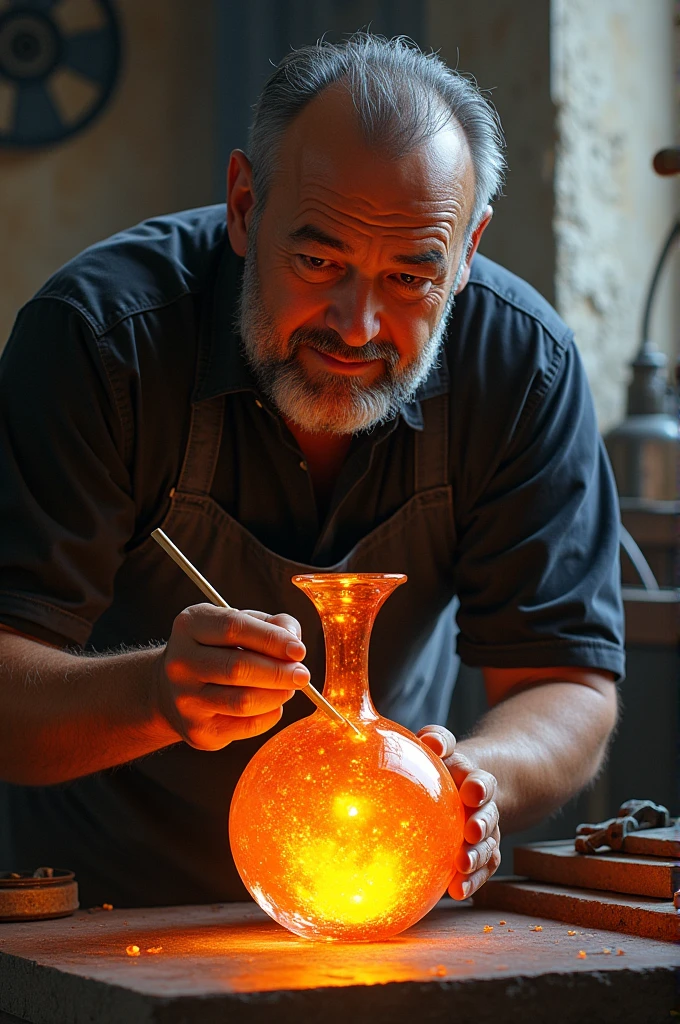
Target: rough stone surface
point(616, 912)
point(231, 963)
point(616, 872)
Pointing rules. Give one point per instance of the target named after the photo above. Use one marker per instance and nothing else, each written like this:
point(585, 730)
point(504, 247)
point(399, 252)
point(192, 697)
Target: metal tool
point(633, 816)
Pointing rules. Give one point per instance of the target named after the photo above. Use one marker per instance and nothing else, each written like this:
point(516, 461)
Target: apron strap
point(203, 446)
point(432, 445)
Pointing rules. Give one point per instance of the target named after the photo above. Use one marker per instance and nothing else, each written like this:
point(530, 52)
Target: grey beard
point(330, 403)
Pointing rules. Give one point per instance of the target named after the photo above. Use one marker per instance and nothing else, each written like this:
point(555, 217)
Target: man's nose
point(354, 313)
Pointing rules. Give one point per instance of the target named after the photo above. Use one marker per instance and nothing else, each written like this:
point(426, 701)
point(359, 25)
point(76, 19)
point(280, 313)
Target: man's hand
point(480, 855)
point(224, 674)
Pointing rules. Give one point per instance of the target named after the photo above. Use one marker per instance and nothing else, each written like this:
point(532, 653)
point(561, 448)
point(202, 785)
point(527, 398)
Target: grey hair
point(402, 97)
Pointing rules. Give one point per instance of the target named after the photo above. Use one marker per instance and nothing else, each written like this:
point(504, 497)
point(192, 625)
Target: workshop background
point(131, 109)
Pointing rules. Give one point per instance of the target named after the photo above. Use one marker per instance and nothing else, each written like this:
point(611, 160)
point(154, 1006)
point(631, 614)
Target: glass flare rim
point(331, 576)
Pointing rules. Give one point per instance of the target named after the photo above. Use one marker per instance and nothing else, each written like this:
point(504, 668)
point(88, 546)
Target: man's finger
point(239, 701)
point(463, 886)
point(287, 622)
point(282, 619)
point(216, 732)
point(226, 627)
point(481, 824)
point(232, 667)
point(438, 739)
point(471, 858)
point(476, 787)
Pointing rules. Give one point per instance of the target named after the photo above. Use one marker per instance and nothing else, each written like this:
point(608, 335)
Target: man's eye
point(314, 262)
point(412, 282)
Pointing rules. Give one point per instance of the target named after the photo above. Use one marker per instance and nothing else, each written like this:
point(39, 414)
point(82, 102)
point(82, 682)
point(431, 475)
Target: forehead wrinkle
point(325, 159)
point(447, 208)
point(363, 239)
point(397, 226)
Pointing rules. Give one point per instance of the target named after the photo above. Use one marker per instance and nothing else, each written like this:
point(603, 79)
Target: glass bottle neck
point(348, 604)
point(346, 686)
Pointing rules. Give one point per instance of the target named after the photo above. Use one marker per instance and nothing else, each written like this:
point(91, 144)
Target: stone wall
point(151, 151)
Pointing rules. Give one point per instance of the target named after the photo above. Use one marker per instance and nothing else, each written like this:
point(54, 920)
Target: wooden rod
point(192, 572)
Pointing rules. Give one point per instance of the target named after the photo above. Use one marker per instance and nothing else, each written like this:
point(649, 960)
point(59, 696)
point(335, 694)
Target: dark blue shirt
point(95, 391)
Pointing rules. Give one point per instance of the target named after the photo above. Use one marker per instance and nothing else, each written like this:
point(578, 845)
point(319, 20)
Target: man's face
point(351, 269)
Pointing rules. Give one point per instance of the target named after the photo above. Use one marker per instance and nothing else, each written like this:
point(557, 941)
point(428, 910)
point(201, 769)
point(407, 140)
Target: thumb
point(438, 739)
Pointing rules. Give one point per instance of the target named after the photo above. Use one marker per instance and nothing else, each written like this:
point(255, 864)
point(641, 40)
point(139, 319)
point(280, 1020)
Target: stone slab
point(558, 862)
point(231, 964)
point(616, 912)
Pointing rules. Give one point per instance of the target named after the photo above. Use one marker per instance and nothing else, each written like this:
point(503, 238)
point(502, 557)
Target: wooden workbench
point(230, 963)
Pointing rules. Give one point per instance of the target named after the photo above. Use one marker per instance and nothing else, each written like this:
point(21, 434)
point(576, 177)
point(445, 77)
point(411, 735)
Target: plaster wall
point(613, 87)
point(151, 151)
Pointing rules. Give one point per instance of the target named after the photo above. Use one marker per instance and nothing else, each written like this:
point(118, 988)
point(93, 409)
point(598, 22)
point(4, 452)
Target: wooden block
point(654, 842)
point(558, 862)
point(650, 918)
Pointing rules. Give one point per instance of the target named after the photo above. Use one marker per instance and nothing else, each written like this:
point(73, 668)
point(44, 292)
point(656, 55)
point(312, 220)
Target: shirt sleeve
point(538, 559)
point(66, 510)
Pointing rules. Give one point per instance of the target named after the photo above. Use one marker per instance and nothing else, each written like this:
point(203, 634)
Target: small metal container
point(645, 448)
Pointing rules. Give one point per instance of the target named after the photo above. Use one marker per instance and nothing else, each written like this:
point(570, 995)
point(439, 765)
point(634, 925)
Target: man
point(387, 401)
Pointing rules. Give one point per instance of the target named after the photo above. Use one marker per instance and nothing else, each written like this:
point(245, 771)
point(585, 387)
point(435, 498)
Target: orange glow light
point(338, 835)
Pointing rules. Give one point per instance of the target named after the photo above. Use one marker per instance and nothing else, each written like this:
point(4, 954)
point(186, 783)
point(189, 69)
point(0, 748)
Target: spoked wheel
point(59, 60)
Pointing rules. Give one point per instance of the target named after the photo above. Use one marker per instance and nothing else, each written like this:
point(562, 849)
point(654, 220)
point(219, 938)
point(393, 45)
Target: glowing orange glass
point(340, 835)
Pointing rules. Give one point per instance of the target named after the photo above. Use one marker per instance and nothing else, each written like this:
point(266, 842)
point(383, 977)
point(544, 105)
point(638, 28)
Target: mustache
point(331, 344)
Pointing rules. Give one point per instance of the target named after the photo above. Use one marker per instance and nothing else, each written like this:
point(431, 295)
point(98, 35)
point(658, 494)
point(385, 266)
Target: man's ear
point(472, 247)
point(240, 200)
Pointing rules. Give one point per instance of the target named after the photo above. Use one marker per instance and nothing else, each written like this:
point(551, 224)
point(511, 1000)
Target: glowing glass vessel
point(344, 834)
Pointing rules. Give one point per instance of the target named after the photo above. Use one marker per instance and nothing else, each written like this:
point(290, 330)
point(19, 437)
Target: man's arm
point(222, 676)
point(62, 715)
point(544, 738)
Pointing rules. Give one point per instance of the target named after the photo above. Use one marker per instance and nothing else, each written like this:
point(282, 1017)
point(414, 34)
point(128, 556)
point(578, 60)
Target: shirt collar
point(223, 368)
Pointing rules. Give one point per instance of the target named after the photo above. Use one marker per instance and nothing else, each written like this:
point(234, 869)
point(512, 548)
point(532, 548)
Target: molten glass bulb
point(344, 834)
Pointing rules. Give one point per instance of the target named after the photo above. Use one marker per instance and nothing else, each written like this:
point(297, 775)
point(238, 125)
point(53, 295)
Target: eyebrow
point(310, 233)
point(433, 257)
